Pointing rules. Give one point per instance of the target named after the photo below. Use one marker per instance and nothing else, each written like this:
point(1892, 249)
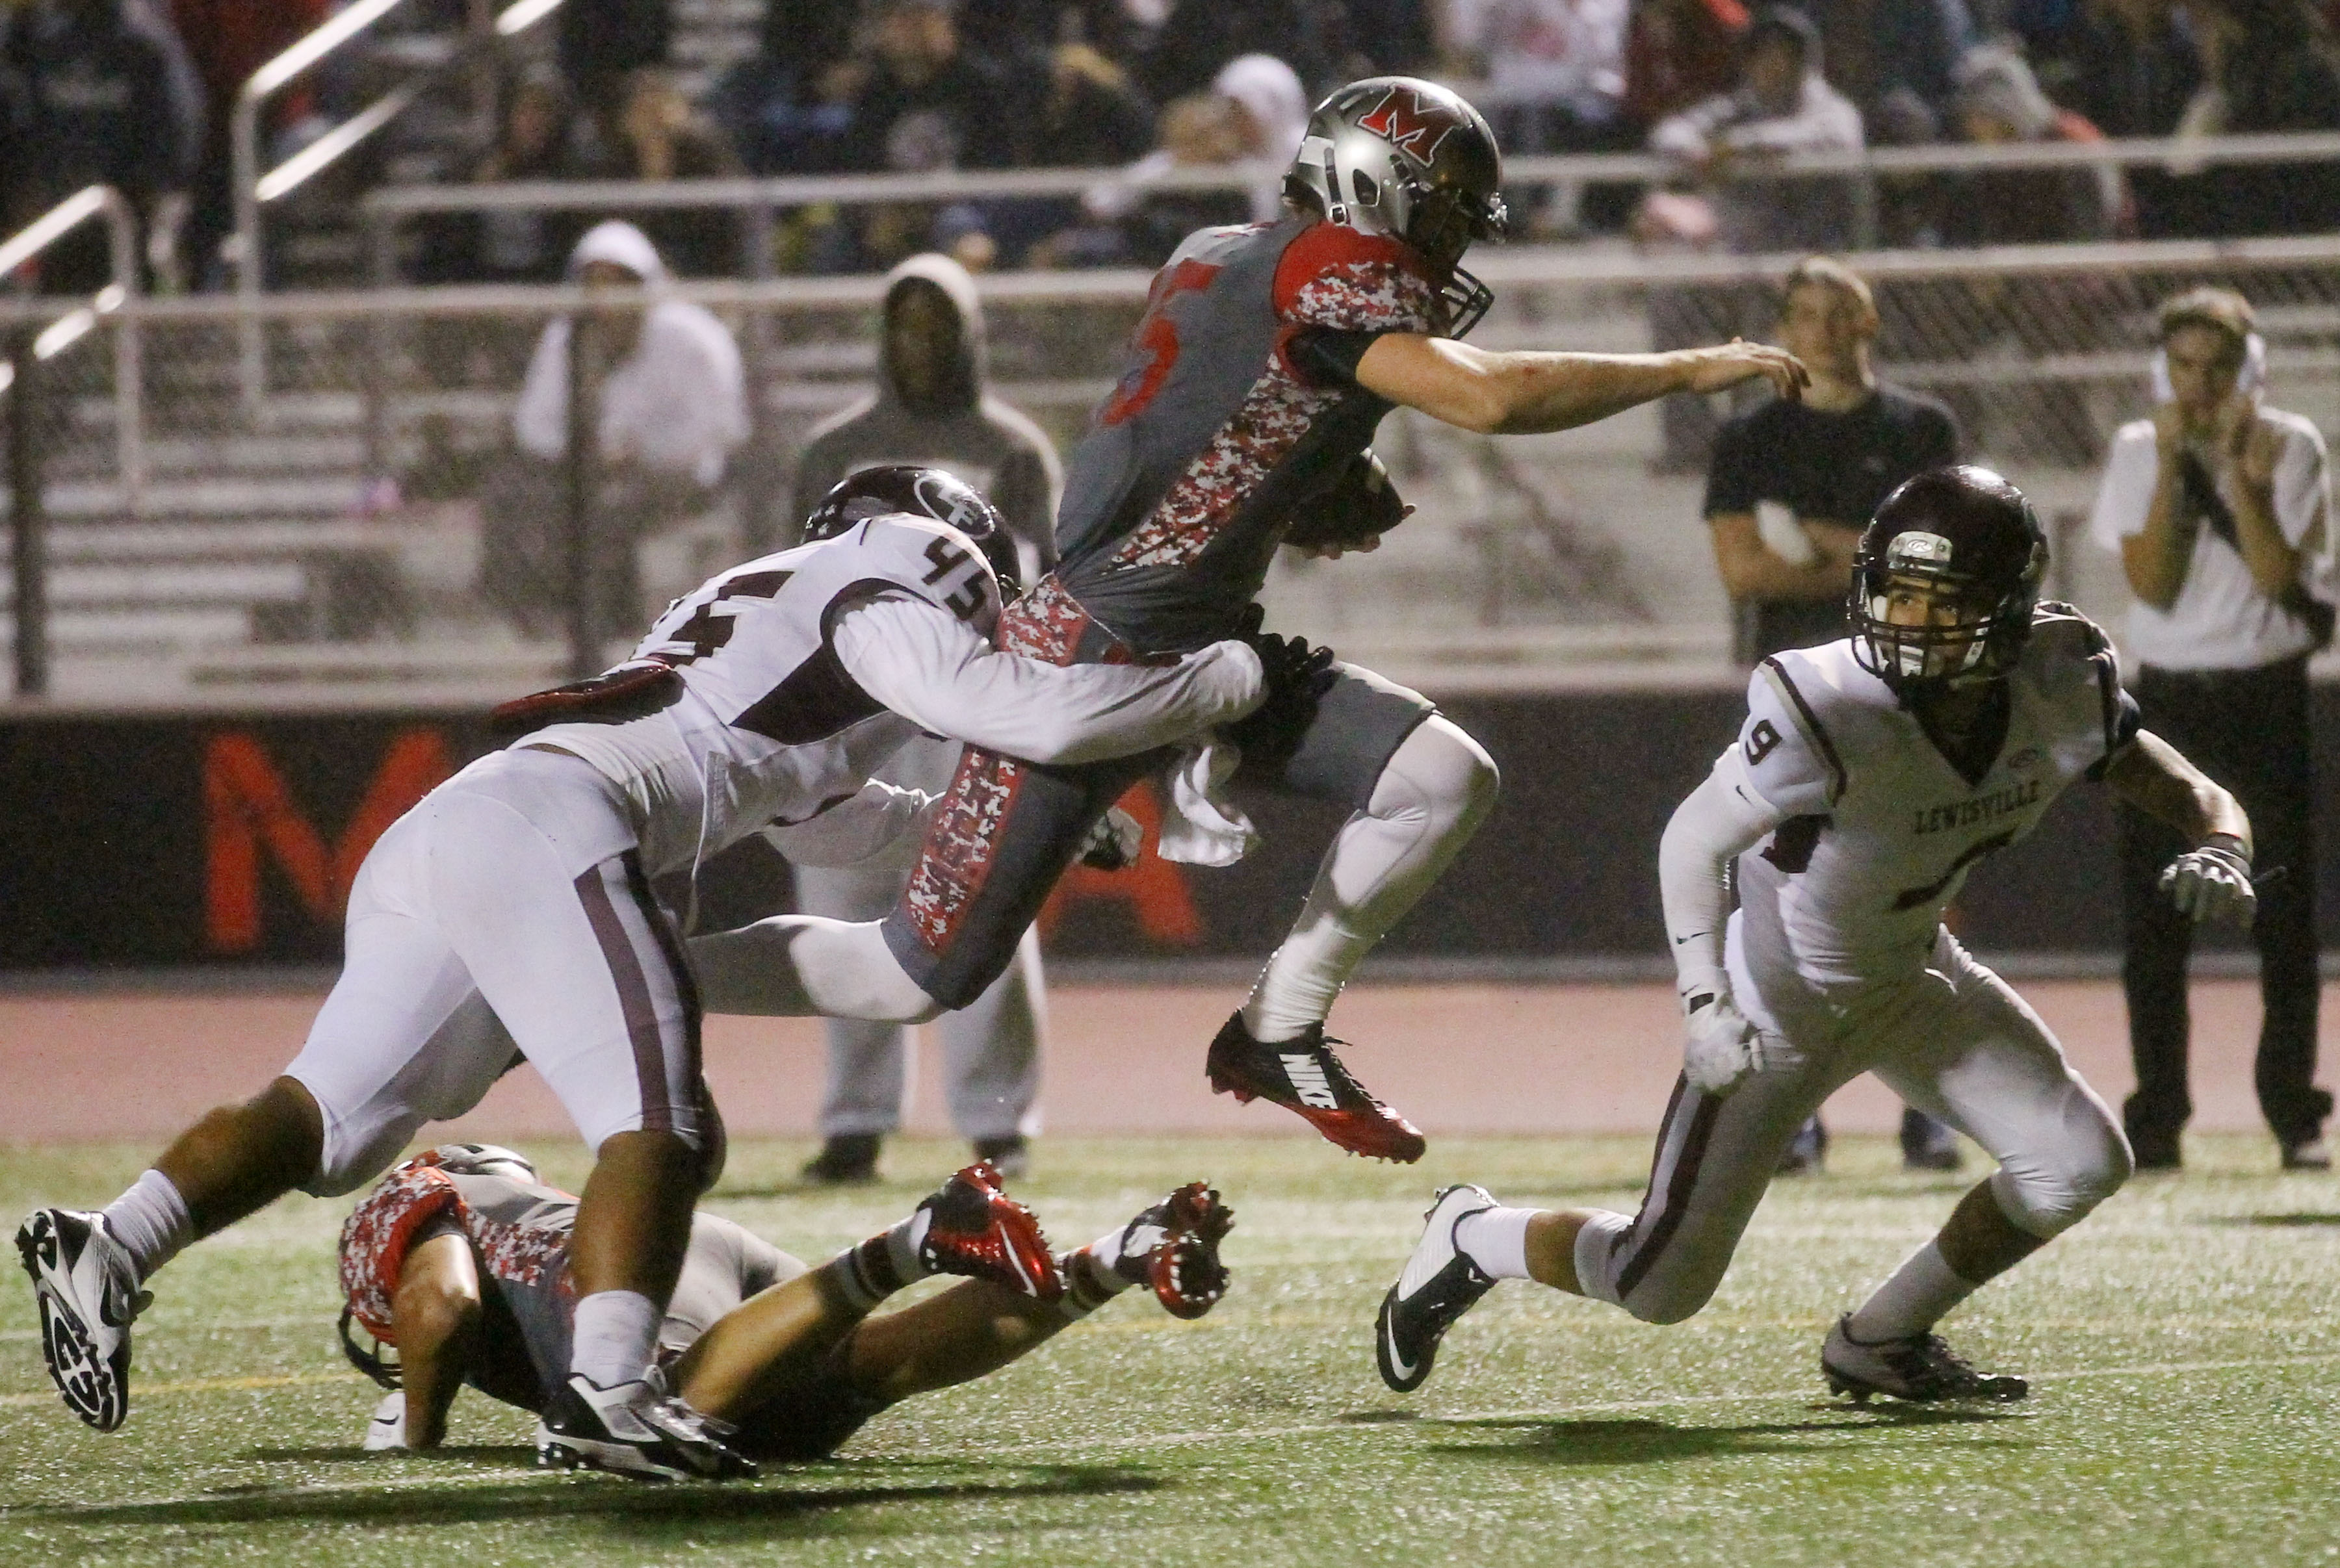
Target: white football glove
point(2213, 882)
point(1114, 844)
point(386, 1428)
point(1722, 1047)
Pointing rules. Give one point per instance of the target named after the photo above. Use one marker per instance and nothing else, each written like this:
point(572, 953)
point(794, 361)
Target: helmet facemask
point(1919, 625)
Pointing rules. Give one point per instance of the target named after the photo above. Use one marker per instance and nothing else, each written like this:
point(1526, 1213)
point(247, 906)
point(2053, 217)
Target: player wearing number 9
point(513, 904)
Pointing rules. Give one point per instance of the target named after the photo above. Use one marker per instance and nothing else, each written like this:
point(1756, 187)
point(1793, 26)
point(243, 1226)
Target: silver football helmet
point(1399, 156)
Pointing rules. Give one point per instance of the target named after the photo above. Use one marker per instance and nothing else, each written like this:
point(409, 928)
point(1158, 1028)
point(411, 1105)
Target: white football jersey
point(769, 726)
point(1881, 827)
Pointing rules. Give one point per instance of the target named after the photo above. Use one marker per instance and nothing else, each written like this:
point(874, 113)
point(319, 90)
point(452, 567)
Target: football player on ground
point(1265, 359)
point(513, 904)
point(459, 1258)
point(1872, 772)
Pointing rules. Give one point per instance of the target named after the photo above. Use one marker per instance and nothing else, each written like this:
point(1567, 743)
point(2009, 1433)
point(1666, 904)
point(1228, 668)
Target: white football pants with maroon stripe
point(514, 893)
point(1951, 1039)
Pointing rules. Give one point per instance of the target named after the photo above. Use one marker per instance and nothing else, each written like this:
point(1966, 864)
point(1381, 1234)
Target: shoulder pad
point(925, 557)
point(378, 1232)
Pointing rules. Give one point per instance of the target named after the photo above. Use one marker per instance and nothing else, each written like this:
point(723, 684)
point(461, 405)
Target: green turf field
point(2184, 1346)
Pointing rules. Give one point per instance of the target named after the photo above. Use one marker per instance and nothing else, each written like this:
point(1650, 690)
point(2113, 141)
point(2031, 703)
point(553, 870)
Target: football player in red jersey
point(459, 1259)
point(1266, 357)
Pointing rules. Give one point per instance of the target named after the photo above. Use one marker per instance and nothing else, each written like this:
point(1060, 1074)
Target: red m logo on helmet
point(1410, 122)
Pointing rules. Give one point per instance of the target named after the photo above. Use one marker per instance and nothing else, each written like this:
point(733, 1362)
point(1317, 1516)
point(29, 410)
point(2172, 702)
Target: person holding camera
point(2219, 508)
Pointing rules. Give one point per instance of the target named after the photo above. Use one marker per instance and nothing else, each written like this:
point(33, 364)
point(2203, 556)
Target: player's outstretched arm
point(436, 1313)
point(2213, 879)
point(937, 672)
point(1518, 393)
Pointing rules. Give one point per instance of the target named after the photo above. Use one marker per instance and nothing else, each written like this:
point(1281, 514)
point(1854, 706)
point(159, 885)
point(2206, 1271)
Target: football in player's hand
point(1351, 513)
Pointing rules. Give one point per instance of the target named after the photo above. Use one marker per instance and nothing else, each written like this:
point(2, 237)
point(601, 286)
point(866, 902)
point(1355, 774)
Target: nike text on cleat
point(975, 1229)
point(87, 1290)
point(635, 1430)
point(1438, 1285)
point(1302, 1075)
point(1173, 1247)
point(1921, 1369)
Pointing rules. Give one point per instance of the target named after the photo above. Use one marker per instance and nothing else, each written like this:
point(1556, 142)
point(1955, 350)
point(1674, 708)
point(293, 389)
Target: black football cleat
point(976, 1230)
point(1438, 1285)
point(1302, 1075)
point(1920, 1370)
point(87, 1290)
point(632, 1430)
point(845, 1159)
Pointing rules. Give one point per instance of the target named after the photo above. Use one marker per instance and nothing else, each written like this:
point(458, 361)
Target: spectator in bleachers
point(922, 99)
point(1198, 37)
point(1678, 53)
point(1897, 60)
point(786, 109)
point(602, 43)
point(1256, 111)
point(2130, 68)
point(227, 41)
point(1999, 103)
point(658, 134)
point(667, 382)
point(1555, 69)
point(930, 408)
point(2269, 67)
point(538, 137)
point(111, 98)
point(1782, 104)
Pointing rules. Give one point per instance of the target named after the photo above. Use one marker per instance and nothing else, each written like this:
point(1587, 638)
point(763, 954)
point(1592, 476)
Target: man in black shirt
point(1789, 489)
point(1825, 461)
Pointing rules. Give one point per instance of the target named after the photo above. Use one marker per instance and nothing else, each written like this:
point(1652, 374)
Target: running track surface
point(1457, 1059)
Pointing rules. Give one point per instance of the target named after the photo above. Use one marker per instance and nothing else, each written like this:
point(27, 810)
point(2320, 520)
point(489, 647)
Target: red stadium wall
point(207, 840)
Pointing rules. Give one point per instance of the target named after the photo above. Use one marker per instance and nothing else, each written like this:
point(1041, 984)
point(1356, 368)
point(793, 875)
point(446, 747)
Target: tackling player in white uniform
point(1870, 776)
point(516, 897)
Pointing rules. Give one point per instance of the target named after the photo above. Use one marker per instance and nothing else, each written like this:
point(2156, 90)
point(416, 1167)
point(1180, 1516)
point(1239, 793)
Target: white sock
point(1920, 1291)
point(1091, 1279)
point(1303, 978)
point(1496, 1239)
point(151, 1221)
point(1431, 794)
point(902, 1245)
point(613, 1337)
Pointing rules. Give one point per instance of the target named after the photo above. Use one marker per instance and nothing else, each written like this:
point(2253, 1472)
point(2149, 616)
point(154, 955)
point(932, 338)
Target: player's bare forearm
point(2154, 777)
point(1530, 393)
point(436, 1316)
point(2274, 563)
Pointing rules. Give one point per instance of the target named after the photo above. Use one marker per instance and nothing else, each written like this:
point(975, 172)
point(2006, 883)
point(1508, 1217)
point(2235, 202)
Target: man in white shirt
point(2219, 508)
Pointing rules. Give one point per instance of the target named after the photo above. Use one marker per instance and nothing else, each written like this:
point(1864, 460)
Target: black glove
point(1114, 842)
point(1296, 676)
point(1359, 506)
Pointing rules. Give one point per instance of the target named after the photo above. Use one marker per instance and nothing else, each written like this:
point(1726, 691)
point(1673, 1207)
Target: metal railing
point(410, 393)
point(29, 346)
point(255, 188)
point(759, 201)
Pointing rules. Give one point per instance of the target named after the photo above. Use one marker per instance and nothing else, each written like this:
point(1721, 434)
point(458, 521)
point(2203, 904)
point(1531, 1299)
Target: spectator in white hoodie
point(671, 402)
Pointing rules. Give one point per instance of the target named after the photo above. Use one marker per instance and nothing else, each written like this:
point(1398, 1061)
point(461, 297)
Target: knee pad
point(1440, 773)
point(2047, 1199)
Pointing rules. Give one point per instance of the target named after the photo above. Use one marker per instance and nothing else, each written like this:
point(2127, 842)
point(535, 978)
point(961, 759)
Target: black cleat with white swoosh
point(1438, 1285)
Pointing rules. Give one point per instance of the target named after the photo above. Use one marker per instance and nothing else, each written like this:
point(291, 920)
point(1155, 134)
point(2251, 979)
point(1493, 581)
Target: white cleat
point(88, 1293)
point(633, 1429)
point(1438, 1285)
